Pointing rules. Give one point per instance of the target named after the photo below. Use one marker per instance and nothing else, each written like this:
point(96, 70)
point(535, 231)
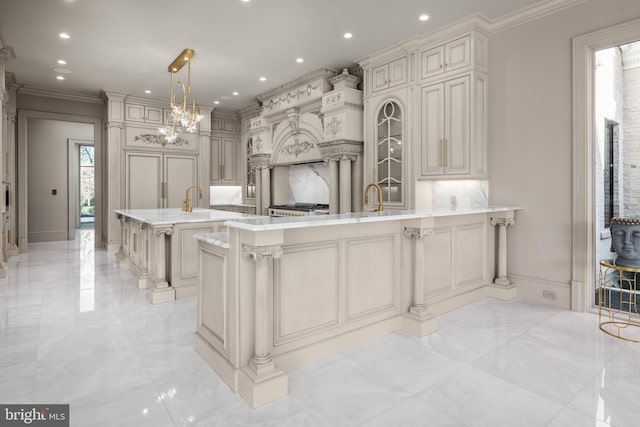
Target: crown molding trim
point(68, 96)
point(531, 13)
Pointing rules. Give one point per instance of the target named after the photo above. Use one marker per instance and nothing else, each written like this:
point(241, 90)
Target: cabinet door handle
point(222, 174)
point(446, 65)
point(441, 152)
point(441, 65)
point(446, 161)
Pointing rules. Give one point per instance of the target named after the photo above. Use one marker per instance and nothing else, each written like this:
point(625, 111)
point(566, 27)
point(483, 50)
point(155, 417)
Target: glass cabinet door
point(389, 151)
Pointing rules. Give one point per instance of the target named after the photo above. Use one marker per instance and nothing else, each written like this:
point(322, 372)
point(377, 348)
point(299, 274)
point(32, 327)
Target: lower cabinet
point(455, 256)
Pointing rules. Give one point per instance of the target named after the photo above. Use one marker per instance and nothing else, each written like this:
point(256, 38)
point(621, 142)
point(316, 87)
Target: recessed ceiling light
point(62, 62)
point(60, 77)
point(299, 60)
point(235, 93)
point(216, 102)
point(64, 36)
point(147, 91)
point(423, 17)
point(263, 79)
point(347, 35)
point(246, 1)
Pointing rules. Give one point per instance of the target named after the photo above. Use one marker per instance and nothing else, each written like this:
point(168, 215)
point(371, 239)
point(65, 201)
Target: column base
point(501, 290)
point(160, 292)
point(258, 389)
point(125, 263)
point(419, 323)
point(12, 250)
point(141, 276)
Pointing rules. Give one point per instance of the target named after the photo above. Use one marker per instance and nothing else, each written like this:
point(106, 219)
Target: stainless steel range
point(299, 209)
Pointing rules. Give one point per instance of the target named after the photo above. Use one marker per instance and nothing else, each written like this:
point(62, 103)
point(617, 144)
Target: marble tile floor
point(74, 329)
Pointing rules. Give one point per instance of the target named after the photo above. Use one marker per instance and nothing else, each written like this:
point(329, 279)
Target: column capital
point(503, 222)
point(261, 253)
point(417, 233)
point(164, 229)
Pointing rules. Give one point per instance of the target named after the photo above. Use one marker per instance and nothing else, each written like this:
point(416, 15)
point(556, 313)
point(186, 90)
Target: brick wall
point(631, 119)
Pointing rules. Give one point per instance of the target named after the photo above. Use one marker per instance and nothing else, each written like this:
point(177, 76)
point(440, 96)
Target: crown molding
point(531, 13)
point(68, 96)
point(305, 78)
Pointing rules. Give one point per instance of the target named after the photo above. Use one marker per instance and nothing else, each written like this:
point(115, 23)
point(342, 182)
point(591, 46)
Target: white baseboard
point(543, 291)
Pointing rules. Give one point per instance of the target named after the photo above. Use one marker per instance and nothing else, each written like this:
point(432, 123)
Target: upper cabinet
point(437, 85)
point(225, 151)
point(389, 75)
point(143, 114)
point(445, 58)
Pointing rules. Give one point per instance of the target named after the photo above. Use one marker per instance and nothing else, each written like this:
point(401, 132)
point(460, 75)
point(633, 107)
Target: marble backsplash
point(309, 183)
point(466, 194)
point(225, 195)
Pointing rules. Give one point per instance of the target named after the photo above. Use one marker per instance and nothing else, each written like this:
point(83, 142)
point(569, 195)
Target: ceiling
point(126, 45)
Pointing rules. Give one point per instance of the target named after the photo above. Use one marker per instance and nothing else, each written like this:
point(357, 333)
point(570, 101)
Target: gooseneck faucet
point(366, 196)
point(186, 205)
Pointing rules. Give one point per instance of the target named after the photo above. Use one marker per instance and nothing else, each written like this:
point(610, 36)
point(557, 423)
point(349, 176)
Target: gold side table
point(618, 290)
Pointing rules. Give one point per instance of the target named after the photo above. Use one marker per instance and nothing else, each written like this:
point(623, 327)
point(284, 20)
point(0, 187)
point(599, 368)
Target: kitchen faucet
point(186, 205)
point(366, 196)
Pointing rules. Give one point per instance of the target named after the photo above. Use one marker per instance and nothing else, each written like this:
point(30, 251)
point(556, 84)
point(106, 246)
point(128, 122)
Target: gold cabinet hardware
point(446, 160)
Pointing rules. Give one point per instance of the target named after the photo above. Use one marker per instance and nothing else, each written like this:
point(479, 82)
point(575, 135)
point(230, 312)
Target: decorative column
point(356, 184)
point(342, 109)
point(266, 188)
point(418, 320)
point(114, 145)
point(334, 187)
point(345, 183)
point(261, 381)
point(502, 224)
point(122, 259)
point(6, 53)
point(260, 160)
point(159, 291)
point(261, 360)
point(502, 288)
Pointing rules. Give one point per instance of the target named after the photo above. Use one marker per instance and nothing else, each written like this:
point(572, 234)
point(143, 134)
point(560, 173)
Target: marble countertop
point(263, 223)
point(217, 239)
point(175, 215)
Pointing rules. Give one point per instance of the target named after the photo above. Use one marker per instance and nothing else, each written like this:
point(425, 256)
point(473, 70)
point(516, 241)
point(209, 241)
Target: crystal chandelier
point(180, 118)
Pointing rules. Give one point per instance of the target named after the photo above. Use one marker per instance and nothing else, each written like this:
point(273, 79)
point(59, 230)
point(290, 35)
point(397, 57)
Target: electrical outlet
point(54, 192)
point(549, 294)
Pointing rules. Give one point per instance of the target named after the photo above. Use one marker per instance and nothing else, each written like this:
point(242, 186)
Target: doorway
point(588, 160)
point(81, 185)
point(42, 206)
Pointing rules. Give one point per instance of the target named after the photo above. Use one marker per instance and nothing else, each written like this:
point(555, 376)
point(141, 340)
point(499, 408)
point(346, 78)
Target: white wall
point(47, 170)
point(530, 139)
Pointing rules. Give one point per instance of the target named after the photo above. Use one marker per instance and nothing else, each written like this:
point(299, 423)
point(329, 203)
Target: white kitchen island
point(277, 293)
point(159, 248)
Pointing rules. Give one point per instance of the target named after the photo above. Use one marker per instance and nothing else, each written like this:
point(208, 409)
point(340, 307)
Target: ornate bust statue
point(625, 241)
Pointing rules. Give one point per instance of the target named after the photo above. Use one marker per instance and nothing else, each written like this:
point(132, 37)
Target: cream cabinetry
point(455, 255)
point(223, 160)
point(445, 58)
point(225, 151)
point(158, 180)
point(389, 75)
point(452, 127)
point(143, 114)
